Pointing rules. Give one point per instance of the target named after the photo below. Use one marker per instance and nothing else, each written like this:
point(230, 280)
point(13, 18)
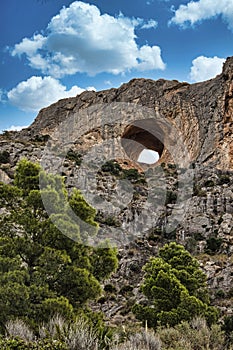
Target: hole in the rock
point(143, 141)
point(148, 156)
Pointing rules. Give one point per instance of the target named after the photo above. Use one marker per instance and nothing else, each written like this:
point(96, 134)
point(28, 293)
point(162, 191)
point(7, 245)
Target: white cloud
point(37, 92)
point(16, 127)
point(204, 9)
point(91, 88)
point(149, 57)
point(30, 46)
point(81, 39)
point(204, 68)
point(150, 24)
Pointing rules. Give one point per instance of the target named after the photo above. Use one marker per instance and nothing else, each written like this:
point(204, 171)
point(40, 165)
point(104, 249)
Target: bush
point(224, 179)
point(176, 289)
point(4, 157)
point(41, 138)
point(171, 197)
point(131, 174)
point(195, 335)
point(209, 183)
point(111, 221)
point(197, 191)
point(111, 167)
point(213, 244)
point(73, 156)
point(110, 288)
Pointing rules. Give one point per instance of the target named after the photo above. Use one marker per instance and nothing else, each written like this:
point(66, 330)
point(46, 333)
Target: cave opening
point(143, 141)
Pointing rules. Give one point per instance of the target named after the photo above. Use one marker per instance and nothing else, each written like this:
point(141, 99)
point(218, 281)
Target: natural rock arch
point(140, 136)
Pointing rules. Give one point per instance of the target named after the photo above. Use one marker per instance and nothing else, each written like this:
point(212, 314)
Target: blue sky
point(51, 49)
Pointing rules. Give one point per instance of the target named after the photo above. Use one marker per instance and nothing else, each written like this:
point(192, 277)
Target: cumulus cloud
point(30, 46)
point(204, 9)
point(81, 39)
point(204, 68)
point(16, 127)
point(37, 92)
point(150, 24)
point(149, 57)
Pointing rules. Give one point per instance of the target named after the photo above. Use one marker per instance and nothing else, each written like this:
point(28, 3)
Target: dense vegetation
point(47, 278)
point(42, 271)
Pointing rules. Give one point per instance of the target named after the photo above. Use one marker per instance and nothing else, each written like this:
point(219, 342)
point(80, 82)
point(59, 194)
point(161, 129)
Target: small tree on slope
point(175, 288)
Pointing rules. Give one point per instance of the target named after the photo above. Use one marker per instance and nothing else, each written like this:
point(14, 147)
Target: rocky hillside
point(94, 141)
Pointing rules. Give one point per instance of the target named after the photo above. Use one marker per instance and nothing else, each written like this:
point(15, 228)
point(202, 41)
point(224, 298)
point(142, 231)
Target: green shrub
point(126, 289)
point(111, 167)
point(228, 324)
point(224, 179)
point(213, 244)
point(195, 335)
point(111, 221)
point(110, 288)
point(220, 294)
point(131, 174)
point(171, 166)
point(41, 138)
point(176, 289)
point(4, 157)
point(171, 197)
point(76, 157)
point(209, 183)
point(197, 191)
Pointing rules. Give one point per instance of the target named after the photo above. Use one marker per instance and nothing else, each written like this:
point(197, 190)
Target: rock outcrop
point(199, 113)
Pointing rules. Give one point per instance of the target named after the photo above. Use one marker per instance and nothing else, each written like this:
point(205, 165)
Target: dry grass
point(192, 336)
point(77, 336)
point(19, 329)
point(140, 341)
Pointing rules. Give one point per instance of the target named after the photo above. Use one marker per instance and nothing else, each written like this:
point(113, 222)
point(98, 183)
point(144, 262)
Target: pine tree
point(175, 288)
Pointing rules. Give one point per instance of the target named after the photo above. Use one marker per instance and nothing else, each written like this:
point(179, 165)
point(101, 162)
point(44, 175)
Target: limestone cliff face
point(200, 113)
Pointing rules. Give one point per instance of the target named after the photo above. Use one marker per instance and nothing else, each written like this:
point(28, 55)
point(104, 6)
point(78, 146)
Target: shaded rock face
point(200, 114)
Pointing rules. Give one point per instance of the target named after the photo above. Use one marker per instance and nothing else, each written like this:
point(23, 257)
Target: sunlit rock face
point(201, 113)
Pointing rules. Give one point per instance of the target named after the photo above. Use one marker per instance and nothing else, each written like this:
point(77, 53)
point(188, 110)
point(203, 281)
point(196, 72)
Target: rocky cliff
point(201, 113)
point(94, 140)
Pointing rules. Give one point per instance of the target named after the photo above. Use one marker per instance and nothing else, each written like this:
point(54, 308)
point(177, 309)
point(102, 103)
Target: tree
point(175, 288)
point(42, 270)
point(27, 176)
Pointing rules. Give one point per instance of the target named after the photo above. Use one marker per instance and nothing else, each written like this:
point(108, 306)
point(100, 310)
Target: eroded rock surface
point(201, 113)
